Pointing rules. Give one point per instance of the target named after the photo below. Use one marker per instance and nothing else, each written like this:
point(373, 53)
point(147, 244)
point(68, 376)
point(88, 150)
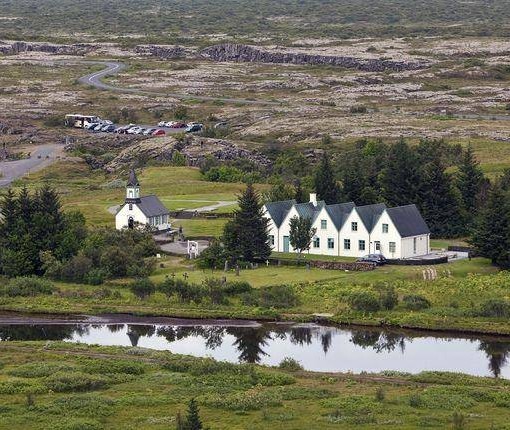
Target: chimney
point(313, 199)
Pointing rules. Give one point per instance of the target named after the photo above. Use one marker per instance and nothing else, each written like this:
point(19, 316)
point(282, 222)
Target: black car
point(378, 259)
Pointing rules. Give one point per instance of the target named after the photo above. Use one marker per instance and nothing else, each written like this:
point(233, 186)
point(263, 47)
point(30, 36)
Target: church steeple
point(132, 188)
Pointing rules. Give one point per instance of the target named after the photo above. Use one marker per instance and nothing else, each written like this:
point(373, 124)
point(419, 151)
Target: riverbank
point(451, 304)
point(69, 386)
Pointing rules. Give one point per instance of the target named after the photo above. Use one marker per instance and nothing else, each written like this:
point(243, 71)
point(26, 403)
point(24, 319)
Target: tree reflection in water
point(252, 342)
point(497, 353)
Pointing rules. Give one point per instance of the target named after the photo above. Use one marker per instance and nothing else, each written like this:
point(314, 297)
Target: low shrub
point(290, 365)
point(40, 370)
point(142, 288)
point(415, 400)
point(388, 298)
point(495, 308)
point(364, 301)
point(380, 394)
point(74, 381)
point(251, 400)
point(278, 296)
point(113, 366)
point(237, 287)
point(27, 286)
point(415, 302)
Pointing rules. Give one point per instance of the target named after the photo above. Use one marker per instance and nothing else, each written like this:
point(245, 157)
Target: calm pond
point(316, 347)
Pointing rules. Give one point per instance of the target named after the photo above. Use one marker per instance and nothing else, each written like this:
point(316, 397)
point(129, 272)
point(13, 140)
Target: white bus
point(81, 121)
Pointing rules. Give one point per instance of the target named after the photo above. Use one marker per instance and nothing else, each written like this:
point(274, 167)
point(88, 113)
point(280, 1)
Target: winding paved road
point(41, 156)
point(114, 67)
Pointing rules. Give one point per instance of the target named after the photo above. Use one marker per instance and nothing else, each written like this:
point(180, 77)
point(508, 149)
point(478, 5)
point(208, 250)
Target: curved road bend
point(40, 157)
point(114, 67)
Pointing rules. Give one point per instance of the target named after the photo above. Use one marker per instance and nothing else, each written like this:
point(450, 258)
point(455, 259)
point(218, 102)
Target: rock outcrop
point(20, 47)
point(194, 148)
point(251, 54)
point(161, 51)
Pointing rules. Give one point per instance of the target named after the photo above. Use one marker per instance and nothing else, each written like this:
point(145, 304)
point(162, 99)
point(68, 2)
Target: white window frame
point(324, 224)
point(331, 243)
point(385, 228)
point(354, 226)
point(347, 244)
point(362, 241)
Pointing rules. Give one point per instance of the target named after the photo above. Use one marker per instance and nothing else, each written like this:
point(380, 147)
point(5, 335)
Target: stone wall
point(20, 47)
point(354, 266)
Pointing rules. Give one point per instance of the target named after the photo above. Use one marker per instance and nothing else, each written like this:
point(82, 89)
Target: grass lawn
point(76, 386)
point(177, 187)
point(445, 243)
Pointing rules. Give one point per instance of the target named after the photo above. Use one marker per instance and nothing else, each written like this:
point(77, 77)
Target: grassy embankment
point(65, 386)
point(455, 298)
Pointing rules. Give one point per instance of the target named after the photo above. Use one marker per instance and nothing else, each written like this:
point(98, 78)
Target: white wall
point(122, 218)
point(272, 230)
point(385, 238)
point(285, 229)
point(323, 234)
point(355, 236)
point(422, 246)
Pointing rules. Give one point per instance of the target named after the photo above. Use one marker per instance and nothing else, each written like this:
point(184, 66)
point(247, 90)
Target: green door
point(285, 243)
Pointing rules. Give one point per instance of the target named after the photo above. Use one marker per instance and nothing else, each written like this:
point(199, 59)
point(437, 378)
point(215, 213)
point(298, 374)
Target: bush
point(224, 174)
point(142, 288)
point(213, 257)
point(415, 302)
point(74, 381)
point(189, 292)
point(167, 287)
point(415, 401)
point(27, 286)
point(364, 301)
point(388, 298)
point(495, 308)
point(290, 365)
point(380, 394)
point(278, 296)
point(237, 287)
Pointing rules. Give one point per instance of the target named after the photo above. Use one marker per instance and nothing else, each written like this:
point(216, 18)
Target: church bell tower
point(132, 188)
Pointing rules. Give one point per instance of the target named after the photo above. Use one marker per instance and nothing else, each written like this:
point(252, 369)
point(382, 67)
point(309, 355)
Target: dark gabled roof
point(278, 210)
point(339, 213)
point(132, 180)
point(369, 214)
point(408, 220)
point(306, 210)
point(151, 206)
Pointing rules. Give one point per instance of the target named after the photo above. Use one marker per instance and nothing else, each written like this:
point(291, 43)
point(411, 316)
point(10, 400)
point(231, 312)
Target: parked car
point(107, 122)
point(159, 132)
point(139, 130)
point(162, 124)
point(98, 127)
point(194, 128)
point(133, 130)
point(91, 125)
point(149, 131)
point(169, 124)
point(178, 124)
point(110, 128)
point(378, 259)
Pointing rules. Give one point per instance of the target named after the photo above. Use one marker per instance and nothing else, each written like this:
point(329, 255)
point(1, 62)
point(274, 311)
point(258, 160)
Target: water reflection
point(316, 347)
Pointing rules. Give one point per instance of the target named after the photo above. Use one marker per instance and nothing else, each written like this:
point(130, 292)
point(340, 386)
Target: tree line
point(37, 237)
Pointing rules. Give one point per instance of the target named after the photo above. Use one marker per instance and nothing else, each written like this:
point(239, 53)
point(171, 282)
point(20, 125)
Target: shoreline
point(10, 317)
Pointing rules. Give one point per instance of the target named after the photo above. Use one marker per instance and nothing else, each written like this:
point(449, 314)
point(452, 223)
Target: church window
point(130, 206)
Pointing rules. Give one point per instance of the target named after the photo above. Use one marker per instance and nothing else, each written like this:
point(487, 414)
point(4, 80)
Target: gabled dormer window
point(324, 224)
point(385, 228)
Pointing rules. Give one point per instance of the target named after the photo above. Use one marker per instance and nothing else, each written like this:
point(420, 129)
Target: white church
point(348, 230)
point(141, 211)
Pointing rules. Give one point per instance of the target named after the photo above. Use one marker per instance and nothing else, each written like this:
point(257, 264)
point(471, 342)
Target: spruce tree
point(438, 202)
point(193, 421)
point(470, 181)
point(401, 177)
point(246, 235)
point(326, 187)
point(491, 236)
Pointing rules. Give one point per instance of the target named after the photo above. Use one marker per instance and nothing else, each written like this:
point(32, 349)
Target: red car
point(159, 132)
point(178, 125)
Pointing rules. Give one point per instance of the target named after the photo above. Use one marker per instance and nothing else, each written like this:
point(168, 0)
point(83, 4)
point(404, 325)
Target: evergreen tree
point(401, 178)
point(279, 191)
point(246, 235)
point(470, 181)
point(193, 421)
point(301, 233)
point(354, 180)
point(491, 236)
point(438, 202)
point(325, 183)
point(299, 193)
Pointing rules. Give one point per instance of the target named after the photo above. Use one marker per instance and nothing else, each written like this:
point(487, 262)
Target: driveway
point(41, 156)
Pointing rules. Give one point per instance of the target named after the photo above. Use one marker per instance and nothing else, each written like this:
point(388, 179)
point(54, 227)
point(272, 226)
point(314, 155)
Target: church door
point(131, 222)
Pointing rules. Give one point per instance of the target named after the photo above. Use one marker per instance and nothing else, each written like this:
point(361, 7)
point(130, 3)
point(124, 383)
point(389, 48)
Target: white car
point(139, 130)
point(162, 124)
point(169, 124)
point(149, 131)
point(132, 130)
point(106, 122)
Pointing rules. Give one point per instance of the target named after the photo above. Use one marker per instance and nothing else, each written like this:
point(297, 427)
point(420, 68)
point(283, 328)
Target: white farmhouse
point(348, 230)
point(141, 211)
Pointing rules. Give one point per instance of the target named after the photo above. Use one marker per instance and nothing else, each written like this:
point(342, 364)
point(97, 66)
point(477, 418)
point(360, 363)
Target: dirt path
point(209, 208)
